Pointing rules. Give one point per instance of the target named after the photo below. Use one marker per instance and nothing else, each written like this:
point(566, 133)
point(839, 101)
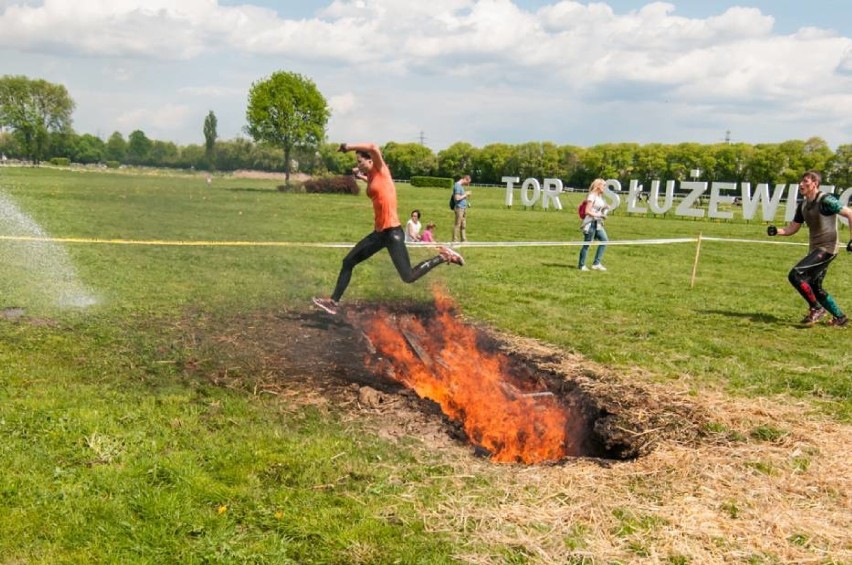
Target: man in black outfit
point(818, 210)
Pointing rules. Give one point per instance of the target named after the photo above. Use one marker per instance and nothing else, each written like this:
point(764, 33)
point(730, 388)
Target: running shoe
point(584, 268)
point(450, 256)
point(598, 268)
point(326, 304)
point(839, 322)
point(814, 316)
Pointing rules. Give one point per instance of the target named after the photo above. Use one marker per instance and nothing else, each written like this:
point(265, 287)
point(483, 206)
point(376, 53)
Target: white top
point(596, 210)
point(412, 230)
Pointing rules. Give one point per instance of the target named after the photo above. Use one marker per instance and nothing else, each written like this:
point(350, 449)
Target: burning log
point(414, 343)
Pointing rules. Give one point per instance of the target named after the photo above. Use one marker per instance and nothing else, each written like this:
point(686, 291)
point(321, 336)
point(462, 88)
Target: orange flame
point(515, 420)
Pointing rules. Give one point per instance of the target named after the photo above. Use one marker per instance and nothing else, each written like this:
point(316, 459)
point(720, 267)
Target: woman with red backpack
point(593, 215)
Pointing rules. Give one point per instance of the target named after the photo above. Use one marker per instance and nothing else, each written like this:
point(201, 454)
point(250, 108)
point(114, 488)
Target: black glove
point(849, 246)
point(771, 230)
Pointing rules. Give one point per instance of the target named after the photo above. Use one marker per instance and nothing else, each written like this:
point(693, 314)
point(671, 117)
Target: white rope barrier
point(765, 241)
point(610, 242)
point(203, 243)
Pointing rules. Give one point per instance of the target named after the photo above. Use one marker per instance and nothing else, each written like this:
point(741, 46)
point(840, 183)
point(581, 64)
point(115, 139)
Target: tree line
point(35, 124)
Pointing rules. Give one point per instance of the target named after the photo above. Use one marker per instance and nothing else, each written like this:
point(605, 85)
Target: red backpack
point(581, 211)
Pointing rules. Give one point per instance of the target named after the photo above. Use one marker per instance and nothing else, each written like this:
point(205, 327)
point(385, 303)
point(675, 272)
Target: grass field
point(119, 446)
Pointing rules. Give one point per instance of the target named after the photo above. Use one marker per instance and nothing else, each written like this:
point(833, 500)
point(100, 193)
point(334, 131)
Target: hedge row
point(440, 182)
point(336, 185)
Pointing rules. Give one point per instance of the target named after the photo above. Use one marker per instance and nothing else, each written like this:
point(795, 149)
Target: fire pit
point(505, 406)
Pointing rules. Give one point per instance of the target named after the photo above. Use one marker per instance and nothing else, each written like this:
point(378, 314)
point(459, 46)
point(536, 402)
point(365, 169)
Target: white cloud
point(211, 91)
point(343, 104)
point(120, 74)
point(845, 64)
point(403, 65)
point(163, 119)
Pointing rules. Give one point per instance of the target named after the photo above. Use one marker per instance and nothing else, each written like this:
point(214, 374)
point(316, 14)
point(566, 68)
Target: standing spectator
point(462, 204)
point(818, 210)
point(387, 231)
point(412, 227)
point(593, 225)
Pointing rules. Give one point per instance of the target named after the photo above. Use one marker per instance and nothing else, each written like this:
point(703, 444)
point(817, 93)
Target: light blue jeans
point(596, 231)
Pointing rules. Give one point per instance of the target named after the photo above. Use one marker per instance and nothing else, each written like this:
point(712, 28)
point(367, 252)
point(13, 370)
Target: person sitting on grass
point(387, 231)
point(428, 235)
point(412, 227)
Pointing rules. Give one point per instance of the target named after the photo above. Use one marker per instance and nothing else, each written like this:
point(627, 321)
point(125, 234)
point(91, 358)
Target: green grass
point(111, 455)
point(115, 452)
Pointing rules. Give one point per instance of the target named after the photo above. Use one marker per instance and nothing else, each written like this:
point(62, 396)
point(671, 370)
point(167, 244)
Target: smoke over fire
point(513, 417)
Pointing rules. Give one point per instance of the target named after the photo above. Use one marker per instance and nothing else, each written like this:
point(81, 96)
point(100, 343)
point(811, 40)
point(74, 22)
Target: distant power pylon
point(422, 138)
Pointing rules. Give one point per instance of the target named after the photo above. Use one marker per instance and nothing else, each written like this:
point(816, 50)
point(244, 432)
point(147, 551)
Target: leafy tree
point(138, 148)
point(407, 160)
point(60, 144)
point(287, 110)
point(527, 159)
point(551, 164)
point(570, 162)
point(683, 158)
point(233, 155)
point(191, 156)
point(457, 160)
point(609, 161)
point(800, 156)
point(729, 162)
point(9, 145)
point(766, 164)
point(838, 169)
point(651, 162)
point(309, 159)
point(116, 148)
point(333, 161)
point(163, 154)
point(493, 163)
point(816, 155)
point(33, 109)
point(88, 149)
point(266, 157)
point(210, 123)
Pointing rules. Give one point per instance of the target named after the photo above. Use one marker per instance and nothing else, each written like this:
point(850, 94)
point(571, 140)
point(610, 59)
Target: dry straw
point(724, 479)
point(728, 497)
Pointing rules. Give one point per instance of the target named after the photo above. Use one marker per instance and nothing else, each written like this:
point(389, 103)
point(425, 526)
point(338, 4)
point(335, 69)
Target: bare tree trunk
point(287, 165)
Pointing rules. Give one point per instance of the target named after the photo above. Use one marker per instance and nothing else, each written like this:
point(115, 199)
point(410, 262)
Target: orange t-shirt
point(382, 192)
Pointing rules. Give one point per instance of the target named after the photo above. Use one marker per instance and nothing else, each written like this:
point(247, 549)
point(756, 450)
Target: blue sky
point(479, 71)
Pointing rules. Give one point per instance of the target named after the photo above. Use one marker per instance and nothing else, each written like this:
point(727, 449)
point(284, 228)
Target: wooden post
point(695, 264)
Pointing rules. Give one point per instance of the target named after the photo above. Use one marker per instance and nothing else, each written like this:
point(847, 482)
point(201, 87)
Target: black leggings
point(807, 276)
point(394, 240)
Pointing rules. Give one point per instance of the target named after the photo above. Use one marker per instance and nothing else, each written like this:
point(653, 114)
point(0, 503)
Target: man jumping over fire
point(818, 211)
point(387, 233)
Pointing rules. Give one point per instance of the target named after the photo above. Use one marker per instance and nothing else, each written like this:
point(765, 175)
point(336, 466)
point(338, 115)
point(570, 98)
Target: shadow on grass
point(758, 317)
point(252, 189)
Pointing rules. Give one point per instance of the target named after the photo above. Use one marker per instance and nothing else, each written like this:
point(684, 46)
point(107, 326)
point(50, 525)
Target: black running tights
point(394, 240)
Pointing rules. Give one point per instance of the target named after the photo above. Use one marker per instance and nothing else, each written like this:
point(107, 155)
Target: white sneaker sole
point(318, 302)
point(451, 256)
